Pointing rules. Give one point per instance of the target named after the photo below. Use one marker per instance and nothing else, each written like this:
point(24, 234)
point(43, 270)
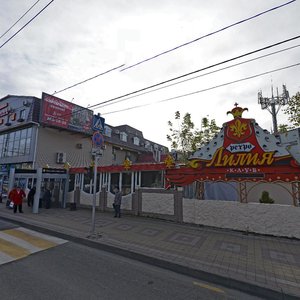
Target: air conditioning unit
point(61, 157)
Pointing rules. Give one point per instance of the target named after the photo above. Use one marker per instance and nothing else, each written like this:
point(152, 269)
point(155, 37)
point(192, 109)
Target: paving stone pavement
point(263, 261)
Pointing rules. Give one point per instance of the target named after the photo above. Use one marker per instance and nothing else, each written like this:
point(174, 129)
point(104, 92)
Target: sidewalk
point(269, 266)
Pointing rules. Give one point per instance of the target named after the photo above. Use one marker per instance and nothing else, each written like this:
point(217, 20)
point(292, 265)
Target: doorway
point(57, 188)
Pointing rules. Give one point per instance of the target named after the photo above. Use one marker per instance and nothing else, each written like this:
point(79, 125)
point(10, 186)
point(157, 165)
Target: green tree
point(293, 111)
point(185, 138)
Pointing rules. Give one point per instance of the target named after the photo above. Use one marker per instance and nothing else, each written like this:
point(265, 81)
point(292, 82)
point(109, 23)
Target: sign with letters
point(241, 151)
point(63, 114)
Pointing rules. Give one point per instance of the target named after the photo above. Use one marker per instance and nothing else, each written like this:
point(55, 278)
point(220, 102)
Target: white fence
point(271, 219)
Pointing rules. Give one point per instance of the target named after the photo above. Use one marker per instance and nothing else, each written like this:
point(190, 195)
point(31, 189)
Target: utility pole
point(271, 103)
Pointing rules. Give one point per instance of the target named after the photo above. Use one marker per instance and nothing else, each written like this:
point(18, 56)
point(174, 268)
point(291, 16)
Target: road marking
point(20, 242)
point(209, 287)
point(12, 249)
point(33, 240)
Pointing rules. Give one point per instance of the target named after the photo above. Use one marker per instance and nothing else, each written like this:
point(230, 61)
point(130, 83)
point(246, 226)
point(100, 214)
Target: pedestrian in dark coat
point(16, 195)
point(47, 198)
point(30, 197)
point(117, 202)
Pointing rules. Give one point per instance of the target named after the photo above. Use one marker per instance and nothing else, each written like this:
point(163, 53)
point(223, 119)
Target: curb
point(230, 283)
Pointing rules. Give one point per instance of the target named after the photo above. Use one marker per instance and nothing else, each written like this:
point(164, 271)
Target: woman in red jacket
point(17, 195)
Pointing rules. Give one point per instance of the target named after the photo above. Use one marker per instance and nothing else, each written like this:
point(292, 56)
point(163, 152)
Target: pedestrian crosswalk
point(20, 242)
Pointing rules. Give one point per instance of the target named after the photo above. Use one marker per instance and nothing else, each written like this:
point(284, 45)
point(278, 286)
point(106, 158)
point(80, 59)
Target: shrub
point(265, 198)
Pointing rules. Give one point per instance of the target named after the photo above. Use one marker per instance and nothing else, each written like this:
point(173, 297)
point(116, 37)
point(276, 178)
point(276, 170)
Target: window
point(136, 141)
point(16, 143)
point(123, 137)
point(114, 181)
point(151, 179)
point(147, 145)
point(71, 182)
point(107, 131)
point(126, 183)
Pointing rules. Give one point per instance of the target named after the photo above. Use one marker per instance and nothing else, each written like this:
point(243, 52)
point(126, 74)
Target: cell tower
point(271, 103)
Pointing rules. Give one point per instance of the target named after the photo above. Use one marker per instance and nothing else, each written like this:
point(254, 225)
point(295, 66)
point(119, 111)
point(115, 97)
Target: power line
point(26, 24)
point(187, 74)
point(204, 90)
point(19, 19)
point(207, 35)
point(202, 75)
point(56, 92)
point(196, 71)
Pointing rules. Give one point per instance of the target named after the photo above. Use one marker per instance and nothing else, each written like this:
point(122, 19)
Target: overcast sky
point(72, 40)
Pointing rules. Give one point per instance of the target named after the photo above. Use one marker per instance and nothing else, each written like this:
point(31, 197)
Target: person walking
point(47, 198)
point(16, 195)
point(30, 196)
point(117, 202)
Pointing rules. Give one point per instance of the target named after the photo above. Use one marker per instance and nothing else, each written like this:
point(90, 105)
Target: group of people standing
point(17, 195)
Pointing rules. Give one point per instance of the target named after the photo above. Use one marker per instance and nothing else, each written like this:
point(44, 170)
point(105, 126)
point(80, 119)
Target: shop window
point(10, 150)
point(27, 147)
point(126, 183)
point(16, 147)
point(151, 179)
point(15, 143)
point(22, 147)
point(17, 135)
point(71, 182)
point(114, 181)
point(88, 185)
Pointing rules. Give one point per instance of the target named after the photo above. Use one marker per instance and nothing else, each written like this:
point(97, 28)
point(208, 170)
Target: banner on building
point(63, 114)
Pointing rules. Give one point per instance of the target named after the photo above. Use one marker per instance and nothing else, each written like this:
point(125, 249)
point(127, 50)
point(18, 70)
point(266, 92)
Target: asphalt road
point(74, 271)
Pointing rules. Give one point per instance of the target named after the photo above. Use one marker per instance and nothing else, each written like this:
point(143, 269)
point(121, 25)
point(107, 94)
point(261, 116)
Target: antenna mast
point(271, 103)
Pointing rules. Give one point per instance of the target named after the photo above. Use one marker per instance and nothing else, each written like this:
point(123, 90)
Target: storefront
point(55, 180)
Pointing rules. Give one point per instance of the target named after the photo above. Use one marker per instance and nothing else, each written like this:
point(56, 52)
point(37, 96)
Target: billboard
point(63, 114)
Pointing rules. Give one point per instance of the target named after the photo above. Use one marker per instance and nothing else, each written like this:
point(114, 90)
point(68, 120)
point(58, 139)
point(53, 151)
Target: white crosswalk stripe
point(20, 242)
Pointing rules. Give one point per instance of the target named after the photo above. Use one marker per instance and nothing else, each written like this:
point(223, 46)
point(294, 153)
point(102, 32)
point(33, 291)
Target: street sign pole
point(97, 141)
point(94, 194)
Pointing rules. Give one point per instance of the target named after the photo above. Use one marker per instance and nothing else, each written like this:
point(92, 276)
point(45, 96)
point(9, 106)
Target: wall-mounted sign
point(63, 114)
point(54, 171)
point(14, 112)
